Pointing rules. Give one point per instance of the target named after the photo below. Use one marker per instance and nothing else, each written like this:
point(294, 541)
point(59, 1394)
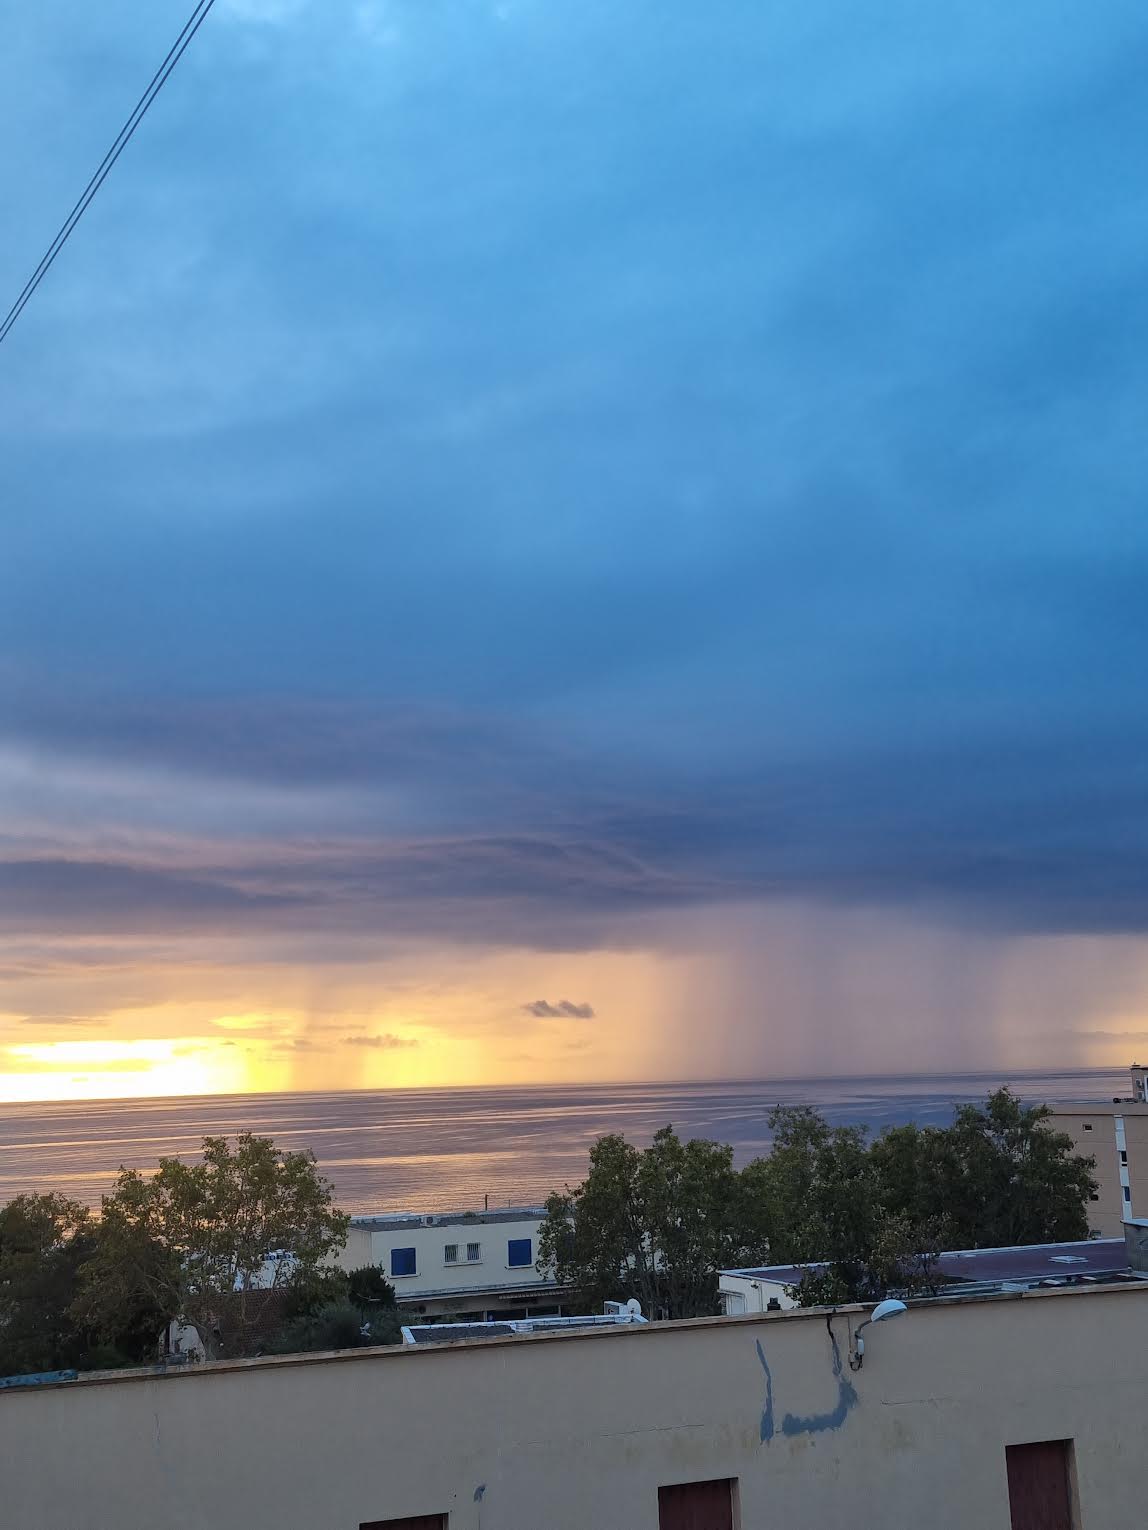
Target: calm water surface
point(445, 1149)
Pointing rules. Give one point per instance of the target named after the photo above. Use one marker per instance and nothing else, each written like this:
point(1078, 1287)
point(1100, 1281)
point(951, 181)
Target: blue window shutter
point(518, 1253)
point(402, 1261)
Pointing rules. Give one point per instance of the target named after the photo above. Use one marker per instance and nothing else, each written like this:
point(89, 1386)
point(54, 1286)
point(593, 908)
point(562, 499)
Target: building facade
point(473, 1265)
point(1005, 1413)
point(1115, 1134)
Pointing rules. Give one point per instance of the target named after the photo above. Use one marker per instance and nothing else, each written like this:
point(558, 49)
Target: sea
point(457, 1149)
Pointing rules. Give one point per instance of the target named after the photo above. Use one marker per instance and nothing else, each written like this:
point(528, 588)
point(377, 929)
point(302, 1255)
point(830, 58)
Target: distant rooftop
point(1039, 1261)
point(1138, 1099)
point(1113, 1107)
point(399, 1221)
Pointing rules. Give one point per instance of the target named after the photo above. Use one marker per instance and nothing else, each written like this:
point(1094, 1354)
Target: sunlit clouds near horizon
point(549, 541)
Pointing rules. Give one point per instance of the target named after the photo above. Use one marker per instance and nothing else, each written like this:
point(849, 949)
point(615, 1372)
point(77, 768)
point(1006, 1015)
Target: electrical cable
point(123, 138)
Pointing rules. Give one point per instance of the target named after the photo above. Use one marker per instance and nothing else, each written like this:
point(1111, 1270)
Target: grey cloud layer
point(560, 480)
point(1044, 833)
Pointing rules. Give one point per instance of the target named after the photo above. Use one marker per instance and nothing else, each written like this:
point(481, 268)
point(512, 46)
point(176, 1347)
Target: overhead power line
point(123, 138)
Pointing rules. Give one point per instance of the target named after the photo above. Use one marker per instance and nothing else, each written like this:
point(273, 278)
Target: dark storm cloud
point(542, 1009)
point(102, 897)
point(676, 478)
point(1041, 833)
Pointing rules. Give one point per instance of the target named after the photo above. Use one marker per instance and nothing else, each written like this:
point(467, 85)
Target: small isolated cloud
point(61, 1019)
point(542, 1009)
point(385, 1043)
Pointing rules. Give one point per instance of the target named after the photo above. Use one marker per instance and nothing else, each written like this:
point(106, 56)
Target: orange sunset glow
point(485, 1018)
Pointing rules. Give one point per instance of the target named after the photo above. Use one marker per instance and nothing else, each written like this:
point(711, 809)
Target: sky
point(545, 540)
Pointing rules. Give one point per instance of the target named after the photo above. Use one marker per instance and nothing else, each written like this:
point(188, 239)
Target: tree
point(197, 1239)
point(43, 1241)
point(997, 1177)
point(330, 1309)
point(369, 1291)
point(814, 1197)
point(133, 1333)
point(875, 1216)
point(309, 1291)
point(338, 1325)
point(1017, 1181)
point(917, 1171)
point(656, 1224)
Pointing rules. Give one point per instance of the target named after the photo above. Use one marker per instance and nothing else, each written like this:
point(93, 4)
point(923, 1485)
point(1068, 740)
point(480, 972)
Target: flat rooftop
point(1037, 1261)
point(400, 1221)
point(454, 1333)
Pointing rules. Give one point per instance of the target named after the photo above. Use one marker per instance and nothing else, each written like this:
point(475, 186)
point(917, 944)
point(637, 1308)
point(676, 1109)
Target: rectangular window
point(419, 1522)
point(1124, 1156)
point(473, 1253)
point(1094, 1196)
point(1127, 1192)
point(1088, 1126)
point(1039, 1485)
point(696, 1505)
point(450, 1254)
point(518, 1253)
point(402, 1261)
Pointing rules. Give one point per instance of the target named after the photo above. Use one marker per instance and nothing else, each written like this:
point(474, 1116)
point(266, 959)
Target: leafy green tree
point(815, 1196)
point(198, 1238)
point(917, 1170)
point(875, 1216)
point(43, 1241)
point(656, 1224)
point(999, 1176)
point(905, 1255)
point(778, 1191)
point(310, 1290)
point(338, 1325)
point(369, 1291)
point(1017, 1181)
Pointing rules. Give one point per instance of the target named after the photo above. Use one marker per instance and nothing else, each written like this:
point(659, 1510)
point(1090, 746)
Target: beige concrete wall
point(577, 1433)
point(1136, 1135)
point(1093, 1132)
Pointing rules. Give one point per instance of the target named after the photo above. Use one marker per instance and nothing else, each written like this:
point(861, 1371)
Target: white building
point(478, 1266)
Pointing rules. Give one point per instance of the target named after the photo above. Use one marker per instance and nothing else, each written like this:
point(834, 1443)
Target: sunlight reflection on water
point(441, 1149)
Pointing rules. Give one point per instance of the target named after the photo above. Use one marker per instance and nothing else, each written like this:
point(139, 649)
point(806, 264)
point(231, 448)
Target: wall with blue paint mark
point(813, 1423)
point(565, 1432)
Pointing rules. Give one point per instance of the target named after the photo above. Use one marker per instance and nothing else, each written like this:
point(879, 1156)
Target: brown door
point(1038, 1491)
point(696, 1506)
point(419, 1522)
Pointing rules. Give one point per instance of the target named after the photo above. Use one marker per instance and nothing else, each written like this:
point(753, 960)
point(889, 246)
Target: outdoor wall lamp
point(883, 1310)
